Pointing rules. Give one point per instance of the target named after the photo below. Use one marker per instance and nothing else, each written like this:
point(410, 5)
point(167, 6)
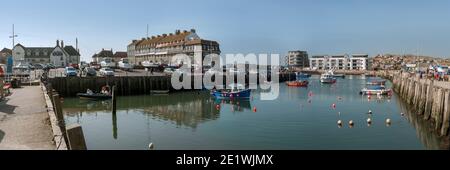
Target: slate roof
point(120, 55)
point(71, 51)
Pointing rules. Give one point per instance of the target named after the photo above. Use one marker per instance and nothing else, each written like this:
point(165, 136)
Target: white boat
point(376, 90)
point(328, 77)
point(124, 64)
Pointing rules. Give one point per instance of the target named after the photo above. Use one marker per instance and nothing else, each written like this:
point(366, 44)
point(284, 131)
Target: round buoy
point(388, 121)
point(370, 111)
point(339, 122)
point(334, 106)
point(218, 107)
point(351, 123)
point(254, 109)
point(150, 146)
point(368, 97)
point(369, 121)
point(402, 114)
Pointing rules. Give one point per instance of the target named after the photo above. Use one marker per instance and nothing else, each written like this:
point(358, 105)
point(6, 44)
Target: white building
point(59, 55)
point(160, 49)
point(340, 62)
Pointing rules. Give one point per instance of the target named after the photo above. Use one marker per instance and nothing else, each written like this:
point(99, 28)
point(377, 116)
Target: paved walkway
point(24, 122)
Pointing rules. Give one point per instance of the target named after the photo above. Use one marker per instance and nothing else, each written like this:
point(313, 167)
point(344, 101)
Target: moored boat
point(298, 83)
point(376, 90)
point(301, 75)
point(234, 91)
point(328, 77)
point(94, 96)
point(376, 82)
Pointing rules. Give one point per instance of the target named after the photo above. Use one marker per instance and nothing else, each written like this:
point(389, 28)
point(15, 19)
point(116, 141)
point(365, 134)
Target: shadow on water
point(424, 130)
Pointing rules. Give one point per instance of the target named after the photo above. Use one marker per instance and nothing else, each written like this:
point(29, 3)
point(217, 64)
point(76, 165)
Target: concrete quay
point(24, 122)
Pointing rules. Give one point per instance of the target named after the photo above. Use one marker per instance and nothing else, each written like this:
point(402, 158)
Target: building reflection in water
point(187, 109)
point(425, 131)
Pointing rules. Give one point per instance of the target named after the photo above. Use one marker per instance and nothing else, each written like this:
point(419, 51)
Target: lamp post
point(13, 36)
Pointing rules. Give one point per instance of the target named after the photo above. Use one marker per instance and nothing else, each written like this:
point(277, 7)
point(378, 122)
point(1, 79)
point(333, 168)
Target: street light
point(13, 36)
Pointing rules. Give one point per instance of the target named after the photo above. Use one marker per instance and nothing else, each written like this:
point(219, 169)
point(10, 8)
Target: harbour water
point(301, 118)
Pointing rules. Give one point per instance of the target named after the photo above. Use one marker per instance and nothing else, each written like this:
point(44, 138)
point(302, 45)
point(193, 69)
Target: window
point(62, 58)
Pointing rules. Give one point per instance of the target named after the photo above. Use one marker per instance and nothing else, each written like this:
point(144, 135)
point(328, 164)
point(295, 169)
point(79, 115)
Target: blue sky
point(240, 26)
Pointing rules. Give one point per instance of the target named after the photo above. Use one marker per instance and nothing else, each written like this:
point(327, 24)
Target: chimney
point(134, 41)
point(164, 35)
point(153, 37)
point(57, 43)
point(177, 32)
point(184, 31)
point(159, 35)
point(193, 30)
point(76, 45)
point(170, 34)
point(62, 44)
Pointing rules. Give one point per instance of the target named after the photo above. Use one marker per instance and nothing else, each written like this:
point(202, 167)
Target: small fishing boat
point(328, 77)
point(94, 96)
point(234, 91)
point(298, 83)
point(300, 75)
point(375, 90)
point(376, 82)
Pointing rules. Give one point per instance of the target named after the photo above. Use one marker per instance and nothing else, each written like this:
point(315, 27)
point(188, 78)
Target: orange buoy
point(254, 109)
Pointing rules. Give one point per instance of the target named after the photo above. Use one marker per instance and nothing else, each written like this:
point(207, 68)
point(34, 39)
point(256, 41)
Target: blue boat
point(237, 91)
point(301, 76)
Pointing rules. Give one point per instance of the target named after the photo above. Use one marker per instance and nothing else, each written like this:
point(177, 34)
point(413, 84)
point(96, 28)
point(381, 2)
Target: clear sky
point(240, 26)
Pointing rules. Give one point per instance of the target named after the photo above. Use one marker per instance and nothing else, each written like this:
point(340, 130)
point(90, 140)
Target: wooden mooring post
point(60, 116)
point(76, 137)
point(428, 98)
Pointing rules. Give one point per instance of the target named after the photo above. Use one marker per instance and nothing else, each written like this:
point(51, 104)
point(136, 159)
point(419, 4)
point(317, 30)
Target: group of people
point(105, 90)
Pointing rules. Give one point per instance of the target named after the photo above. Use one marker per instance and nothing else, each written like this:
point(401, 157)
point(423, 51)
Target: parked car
point(107, 72)
point(38, 66)
point(169, 70)
point(96, 66)
point(70, 71)
point(50, 66)
point(74, 65)
point(90, 71)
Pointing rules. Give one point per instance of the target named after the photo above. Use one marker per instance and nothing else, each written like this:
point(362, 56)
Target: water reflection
point(183, 109)
point(424, 130)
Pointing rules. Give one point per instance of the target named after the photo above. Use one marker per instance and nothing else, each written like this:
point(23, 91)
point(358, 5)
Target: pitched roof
point(104, 53)
point(120, 55)
point(179, 38)
point(6, 50)
point(71, 51)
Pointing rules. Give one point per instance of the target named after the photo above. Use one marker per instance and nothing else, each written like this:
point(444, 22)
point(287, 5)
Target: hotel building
point(160, 49)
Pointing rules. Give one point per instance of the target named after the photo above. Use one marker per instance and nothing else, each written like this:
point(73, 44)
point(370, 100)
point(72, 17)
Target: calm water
point(190, 120)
